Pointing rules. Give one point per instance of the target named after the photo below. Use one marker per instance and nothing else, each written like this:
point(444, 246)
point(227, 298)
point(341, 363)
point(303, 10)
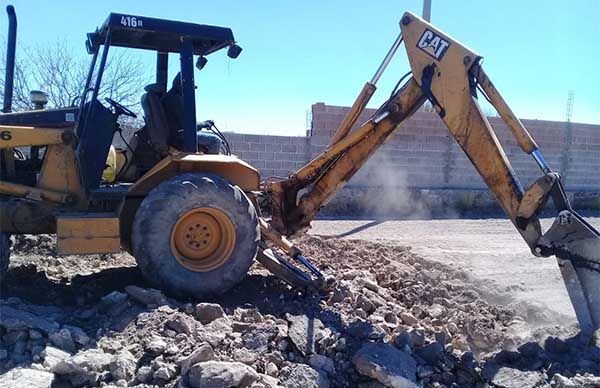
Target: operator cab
point(169, 107)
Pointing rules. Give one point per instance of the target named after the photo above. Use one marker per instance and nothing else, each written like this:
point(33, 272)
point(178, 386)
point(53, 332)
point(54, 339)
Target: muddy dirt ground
point(414, 308)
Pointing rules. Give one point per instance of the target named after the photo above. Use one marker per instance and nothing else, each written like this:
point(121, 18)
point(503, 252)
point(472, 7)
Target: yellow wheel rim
point(203, 239)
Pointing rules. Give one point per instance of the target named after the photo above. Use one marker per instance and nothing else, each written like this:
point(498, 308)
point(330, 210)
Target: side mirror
point(201, 62)
point(234, 51)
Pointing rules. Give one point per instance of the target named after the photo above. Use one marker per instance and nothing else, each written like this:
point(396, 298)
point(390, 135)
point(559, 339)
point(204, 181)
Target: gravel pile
point(393, 319)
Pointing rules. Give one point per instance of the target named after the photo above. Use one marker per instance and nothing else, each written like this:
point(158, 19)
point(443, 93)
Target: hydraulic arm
point(450, 75)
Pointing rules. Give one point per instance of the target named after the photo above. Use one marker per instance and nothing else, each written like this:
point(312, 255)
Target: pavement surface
point(488, 249)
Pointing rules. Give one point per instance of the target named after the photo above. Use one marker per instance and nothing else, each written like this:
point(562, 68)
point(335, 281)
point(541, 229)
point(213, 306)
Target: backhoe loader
point(195, 219)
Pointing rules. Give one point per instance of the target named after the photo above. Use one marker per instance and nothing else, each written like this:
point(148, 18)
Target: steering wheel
point(120, 109)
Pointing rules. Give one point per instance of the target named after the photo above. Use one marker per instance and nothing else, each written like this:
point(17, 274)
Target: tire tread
point(156, 217)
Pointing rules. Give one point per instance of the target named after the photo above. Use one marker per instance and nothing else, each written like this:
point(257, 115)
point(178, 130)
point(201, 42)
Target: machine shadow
point(78, 291)
point(360, 228)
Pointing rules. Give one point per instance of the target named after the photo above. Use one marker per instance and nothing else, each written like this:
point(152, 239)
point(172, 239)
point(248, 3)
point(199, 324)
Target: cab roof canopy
point(158, 34)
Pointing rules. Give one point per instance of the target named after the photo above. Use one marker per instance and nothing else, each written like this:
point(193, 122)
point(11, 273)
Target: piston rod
point(387, 59)
point(539, 158)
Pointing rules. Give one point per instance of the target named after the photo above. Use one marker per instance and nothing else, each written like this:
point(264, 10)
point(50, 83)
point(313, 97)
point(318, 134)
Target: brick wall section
point(271, 155)
point(423, 155)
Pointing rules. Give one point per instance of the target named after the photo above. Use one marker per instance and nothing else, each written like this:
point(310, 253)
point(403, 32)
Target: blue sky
point(297, 53)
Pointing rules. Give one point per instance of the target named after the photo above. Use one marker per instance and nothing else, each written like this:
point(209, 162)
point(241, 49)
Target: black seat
point(154, 115)
point(173, 105)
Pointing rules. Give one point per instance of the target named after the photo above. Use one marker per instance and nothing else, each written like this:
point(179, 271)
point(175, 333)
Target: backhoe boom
point(449, 75)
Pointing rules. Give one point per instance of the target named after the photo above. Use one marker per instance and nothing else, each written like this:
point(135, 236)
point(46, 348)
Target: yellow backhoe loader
point(195, 217)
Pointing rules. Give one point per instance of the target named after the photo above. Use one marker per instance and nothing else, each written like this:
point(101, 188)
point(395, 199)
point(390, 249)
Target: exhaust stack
point(10, 59)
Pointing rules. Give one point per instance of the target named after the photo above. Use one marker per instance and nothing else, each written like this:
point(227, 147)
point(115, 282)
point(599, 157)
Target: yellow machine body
point(86, 234)
point(59, 186)
point(58, 179)
point(13, 137)
point(231, 168)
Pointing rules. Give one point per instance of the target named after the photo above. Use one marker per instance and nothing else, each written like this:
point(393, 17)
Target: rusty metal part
point(34, 193)
point(535, 198)
point(203, 239)
point(272, 235)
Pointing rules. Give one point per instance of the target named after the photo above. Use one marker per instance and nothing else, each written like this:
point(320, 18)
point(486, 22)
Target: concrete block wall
point(423, 155)
point(421, 170)
point(273, 156)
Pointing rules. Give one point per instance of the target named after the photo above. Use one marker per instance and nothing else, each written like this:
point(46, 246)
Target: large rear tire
point(195, 235)
point(4, 254)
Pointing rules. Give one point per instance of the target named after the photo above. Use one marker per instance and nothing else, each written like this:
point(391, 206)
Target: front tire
point(4, 254)
point(195, 235)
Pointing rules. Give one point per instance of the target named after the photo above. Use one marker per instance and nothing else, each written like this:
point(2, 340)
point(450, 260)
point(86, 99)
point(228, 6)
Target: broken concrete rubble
point(23, 377)
point(84, 368)
point(123, 365)
point(208, 312)
point(63, 340)
point(386, 364)
point(304, 331)
point(215, 374)
point(513, 378)
point(303, 376)
point(203, 352)
point(52, 356)
point(393, 319)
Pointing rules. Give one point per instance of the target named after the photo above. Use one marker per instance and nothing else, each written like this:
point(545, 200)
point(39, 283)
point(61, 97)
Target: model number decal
point(131, 21)
point(5, 135)
point(433, 44)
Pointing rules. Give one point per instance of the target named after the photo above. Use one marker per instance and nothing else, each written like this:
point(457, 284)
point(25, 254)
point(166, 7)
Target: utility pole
point(566, 152)
point(570, 98)
point(427, 10)
point(427, 16)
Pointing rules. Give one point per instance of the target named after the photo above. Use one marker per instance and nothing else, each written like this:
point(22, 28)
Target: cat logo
point(433, 44)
